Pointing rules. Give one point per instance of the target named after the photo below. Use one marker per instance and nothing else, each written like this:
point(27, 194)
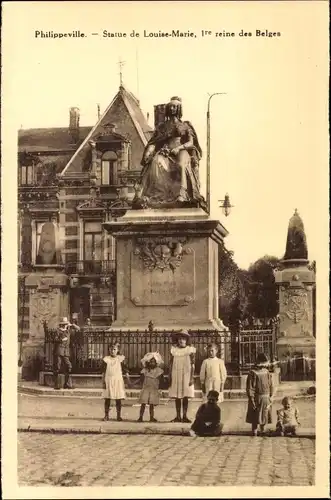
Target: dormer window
point(26, 175)
point(109, 168)
point(109, 128)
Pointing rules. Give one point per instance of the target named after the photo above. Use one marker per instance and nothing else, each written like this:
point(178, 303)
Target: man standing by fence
point(62, 348)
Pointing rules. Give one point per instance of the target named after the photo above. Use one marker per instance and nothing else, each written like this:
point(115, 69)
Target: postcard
point(165, 248)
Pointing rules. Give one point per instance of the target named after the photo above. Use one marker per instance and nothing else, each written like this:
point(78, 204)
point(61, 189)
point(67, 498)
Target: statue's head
point(174, 108)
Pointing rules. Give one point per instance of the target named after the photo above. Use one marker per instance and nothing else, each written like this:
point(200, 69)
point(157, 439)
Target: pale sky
point(269, 133)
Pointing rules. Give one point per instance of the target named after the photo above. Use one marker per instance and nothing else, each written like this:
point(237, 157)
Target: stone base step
point(132, 395)
point(76, 426)
point(94, 381)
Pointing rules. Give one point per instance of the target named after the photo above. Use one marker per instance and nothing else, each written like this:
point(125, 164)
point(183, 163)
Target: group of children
point(260, 393)
point(181, 388)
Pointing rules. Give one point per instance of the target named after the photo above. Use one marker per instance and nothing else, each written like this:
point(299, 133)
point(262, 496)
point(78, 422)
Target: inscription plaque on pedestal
point(162, 274)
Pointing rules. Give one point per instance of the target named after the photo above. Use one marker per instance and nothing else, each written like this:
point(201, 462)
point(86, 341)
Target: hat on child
point(150, 355)
point(64, 321)
point(181, 333)
point(262, 359)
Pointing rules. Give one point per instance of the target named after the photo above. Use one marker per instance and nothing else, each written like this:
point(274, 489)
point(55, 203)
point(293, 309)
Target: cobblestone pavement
point(137, 460)
point(233, 412)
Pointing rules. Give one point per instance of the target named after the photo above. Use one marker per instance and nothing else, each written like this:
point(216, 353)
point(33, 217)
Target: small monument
point(296, 282)
point(167, 245)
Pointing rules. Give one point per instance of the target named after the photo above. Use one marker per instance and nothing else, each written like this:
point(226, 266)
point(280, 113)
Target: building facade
point(78, 178)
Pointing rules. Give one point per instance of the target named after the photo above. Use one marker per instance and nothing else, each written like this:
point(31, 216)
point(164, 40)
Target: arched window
point(109, 168)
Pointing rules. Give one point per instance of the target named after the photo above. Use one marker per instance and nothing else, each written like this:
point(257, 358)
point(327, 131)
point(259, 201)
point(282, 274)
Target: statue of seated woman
point(170, 174)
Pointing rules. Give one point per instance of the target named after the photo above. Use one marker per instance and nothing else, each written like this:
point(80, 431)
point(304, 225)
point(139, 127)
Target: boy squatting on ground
point(287, 418)
point(208, 418)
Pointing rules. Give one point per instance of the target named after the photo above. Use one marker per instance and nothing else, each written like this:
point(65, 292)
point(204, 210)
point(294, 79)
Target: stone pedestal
point(295, 282)
point(48, 301)
point(167, 269)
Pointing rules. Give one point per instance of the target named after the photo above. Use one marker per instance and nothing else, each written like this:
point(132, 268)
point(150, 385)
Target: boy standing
point(62, 352)
point(213, 373)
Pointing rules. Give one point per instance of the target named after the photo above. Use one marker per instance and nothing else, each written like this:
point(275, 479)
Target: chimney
point(159, 114)
point(74, 124)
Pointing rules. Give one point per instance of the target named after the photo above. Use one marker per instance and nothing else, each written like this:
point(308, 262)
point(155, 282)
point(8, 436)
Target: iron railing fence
point(89, 347)
point(297, 367)
point(248, 340)
point(239, 350)
point(254, 341)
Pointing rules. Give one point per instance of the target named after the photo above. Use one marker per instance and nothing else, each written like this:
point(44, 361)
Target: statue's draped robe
point(165, 177)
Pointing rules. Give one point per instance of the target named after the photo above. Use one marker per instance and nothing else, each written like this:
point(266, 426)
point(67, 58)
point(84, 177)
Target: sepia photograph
point(164, 294)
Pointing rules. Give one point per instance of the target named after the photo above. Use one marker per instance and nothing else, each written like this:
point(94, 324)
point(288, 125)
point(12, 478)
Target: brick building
point(78, 177)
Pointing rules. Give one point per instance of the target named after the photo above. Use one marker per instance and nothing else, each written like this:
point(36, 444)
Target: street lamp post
point(208, 149)
point(226, 205)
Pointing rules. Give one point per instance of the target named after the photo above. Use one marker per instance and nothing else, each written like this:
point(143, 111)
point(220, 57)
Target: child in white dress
point(213, 373)
point(182, 362)
point(112, 380)
point(151, 374)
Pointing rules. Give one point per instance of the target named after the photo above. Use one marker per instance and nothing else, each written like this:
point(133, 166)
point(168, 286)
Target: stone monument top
point(170, 164)
point(296, 281)
point(296, 244)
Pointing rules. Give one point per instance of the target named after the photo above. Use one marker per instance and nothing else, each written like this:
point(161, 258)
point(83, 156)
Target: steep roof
point(136, 112)
point(49, 139)
point(123, 102)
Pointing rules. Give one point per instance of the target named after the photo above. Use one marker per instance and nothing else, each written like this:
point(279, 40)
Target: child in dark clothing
point(208, 418)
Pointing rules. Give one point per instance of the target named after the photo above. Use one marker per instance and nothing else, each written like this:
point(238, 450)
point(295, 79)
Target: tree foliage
point(232, 293)
point(247, 293)
point(263, 301)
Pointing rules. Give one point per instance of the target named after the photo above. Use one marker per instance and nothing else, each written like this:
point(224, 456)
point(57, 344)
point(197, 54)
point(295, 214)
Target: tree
point(232, 288)
point(263, 302)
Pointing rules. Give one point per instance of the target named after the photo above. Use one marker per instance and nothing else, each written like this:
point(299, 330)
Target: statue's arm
point(188, 144)
point(150, 148)
point(148, 153)
point(194, 137)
